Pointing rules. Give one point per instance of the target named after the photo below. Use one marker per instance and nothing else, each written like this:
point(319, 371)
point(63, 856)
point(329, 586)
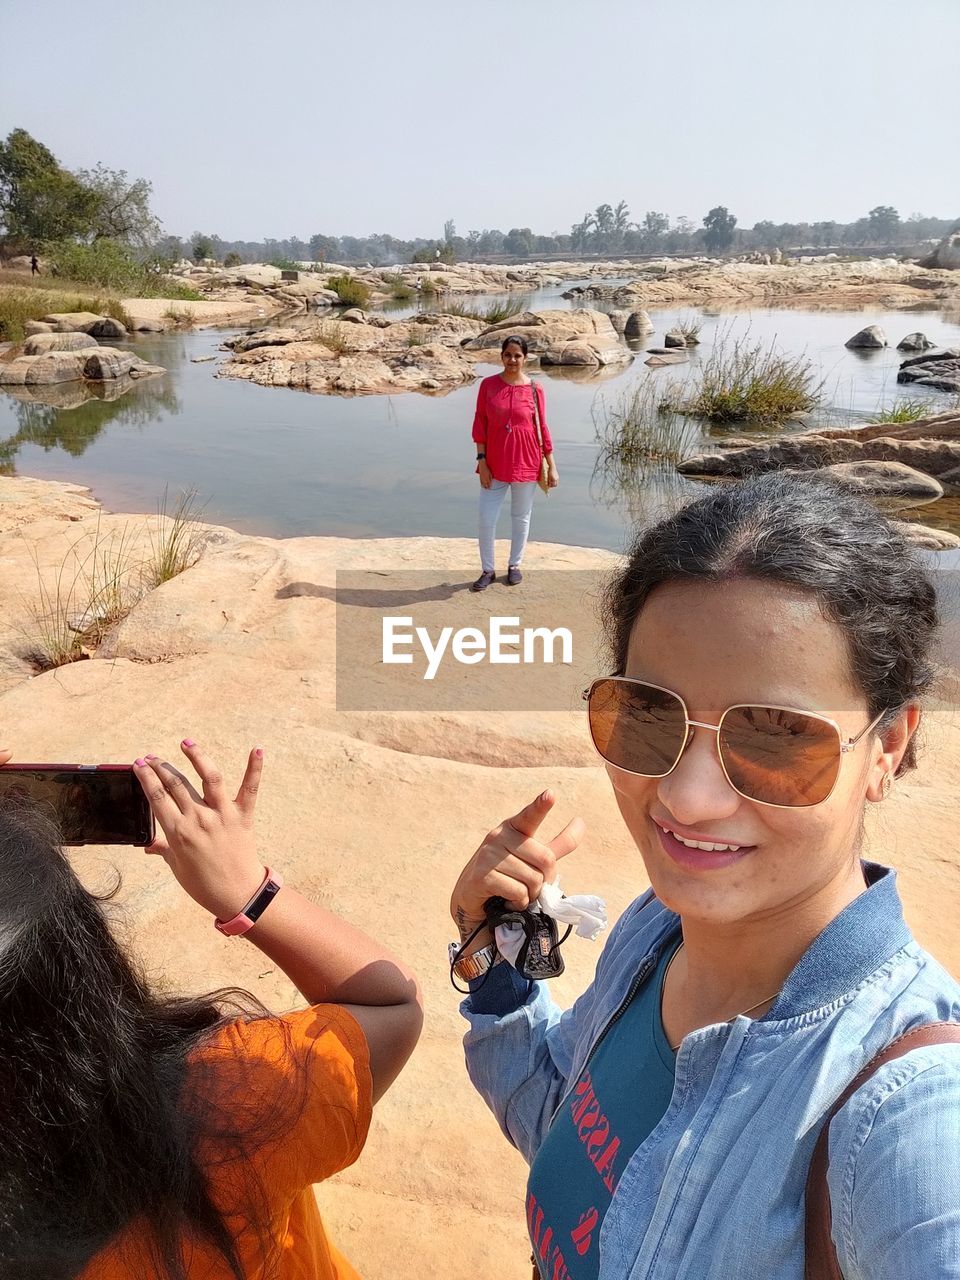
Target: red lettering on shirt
point(593, 1130)
point(582, 1233)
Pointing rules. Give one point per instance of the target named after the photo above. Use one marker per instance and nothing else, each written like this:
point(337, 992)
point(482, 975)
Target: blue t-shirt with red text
point(615, 1104)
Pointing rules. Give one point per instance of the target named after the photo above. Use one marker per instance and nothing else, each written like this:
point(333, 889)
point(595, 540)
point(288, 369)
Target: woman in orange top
point(146, 1135)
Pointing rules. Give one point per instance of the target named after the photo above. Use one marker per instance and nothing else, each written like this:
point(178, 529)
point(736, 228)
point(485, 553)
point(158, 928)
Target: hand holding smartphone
point(92, 804)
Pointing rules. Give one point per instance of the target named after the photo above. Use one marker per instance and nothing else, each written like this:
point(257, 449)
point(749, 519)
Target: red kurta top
point(505, 427)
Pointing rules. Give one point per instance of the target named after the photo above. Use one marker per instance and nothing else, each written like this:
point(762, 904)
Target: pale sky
point(256, 119)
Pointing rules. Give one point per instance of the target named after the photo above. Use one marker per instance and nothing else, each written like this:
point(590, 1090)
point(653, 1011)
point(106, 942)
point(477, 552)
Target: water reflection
point(70, 415)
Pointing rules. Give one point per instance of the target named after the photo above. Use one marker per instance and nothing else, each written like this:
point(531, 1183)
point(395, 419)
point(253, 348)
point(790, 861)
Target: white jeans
point(521, 504)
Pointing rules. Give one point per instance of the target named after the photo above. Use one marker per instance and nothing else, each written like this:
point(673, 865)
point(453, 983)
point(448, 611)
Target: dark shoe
point(483, 581)
point(514, 576)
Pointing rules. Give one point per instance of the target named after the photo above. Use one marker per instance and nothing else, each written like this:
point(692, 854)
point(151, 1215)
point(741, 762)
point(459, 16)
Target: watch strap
point(475, 965)
point(251, 913)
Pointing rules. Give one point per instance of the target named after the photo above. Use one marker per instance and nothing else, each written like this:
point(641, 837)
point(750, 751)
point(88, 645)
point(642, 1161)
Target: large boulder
point(638, 323)
point(55, 366)
point(106, 363)
point(937, 458)
point(870, 338)
point(39, 344)
point(926, 538)
point(889, 484)
point(32, 327)
point(72, 321)
point(577, 337)
point(674, 339)
point(946, 256)
point(939, 370)
point(146, 324)
point(107, 327)
point(915, 342)
point(354, 316)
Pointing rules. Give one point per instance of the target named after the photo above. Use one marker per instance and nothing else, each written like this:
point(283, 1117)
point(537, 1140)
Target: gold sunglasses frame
point(846, 744)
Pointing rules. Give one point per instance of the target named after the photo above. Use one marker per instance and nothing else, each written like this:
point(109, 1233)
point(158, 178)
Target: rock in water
point(40, 343)
point(923, 536)
point(890, 484)
point(638, 323)
point(107, 327)
point(674, 339)
point(937, 369)
point(915, 342)
point(870, 338)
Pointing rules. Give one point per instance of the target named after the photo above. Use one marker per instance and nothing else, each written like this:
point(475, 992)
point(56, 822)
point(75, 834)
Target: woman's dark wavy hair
point(99, 1123)
point(515, 340)
point(811, 533)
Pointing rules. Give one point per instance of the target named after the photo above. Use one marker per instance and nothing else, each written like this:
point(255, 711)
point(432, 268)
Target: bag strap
point(536, 414)
point(821, 1262)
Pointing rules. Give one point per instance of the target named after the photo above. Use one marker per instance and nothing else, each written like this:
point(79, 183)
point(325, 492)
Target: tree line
point(608, 230)
point(101, 220)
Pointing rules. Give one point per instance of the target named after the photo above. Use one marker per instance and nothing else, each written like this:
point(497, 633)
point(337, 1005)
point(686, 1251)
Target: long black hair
point(808, 532)
point(98, 1129)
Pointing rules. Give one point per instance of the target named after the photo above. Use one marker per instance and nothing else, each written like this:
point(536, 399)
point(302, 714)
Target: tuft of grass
point(902, 410)
point(285, 264)
point(496, 313)
point(640, 428)
point(94, 587)
point(746, 381)
point(351, 291)
point(401, 292)
point(178, 541)
point(690, 330)
point(332, 335)
point(416, 336)
point(100, 579)
point(181, 317)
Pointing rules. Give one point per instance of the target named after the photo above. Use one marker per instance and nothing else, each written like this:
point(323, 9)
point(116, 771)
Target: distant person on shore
point(513, 447)
point(769, 649)
point(152, 1136)
point(34, 265)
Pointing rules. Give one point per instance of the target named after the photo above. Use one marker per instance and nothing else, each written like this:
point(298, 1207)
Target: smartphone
point(91, 803)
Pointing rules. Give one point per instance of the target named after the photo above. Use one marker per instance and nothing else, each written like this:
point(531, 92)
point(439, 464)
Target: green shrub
point(111, 266)
point(232, 260)
point(351, 291)
point(285, 264)
point(748, 382)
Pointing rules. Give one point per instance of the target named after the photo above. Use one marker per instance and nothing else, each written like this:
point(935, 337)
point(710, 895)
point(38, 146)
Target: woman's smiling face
point(512, 358)
point(717, 645)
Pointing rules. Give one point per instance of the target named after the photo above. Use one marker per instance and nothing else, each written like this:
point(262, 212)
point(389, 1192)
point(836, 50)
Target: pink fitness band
point(255, 908)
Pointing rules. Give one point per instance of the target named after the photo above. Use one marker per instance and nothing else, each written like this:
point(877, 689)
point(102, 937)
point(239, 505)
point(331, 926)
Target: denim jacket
point(716, 1190)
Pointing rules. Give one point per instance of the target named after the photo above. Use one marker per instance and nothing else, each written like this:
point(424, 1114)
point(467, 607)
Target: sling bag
point(821, 1262)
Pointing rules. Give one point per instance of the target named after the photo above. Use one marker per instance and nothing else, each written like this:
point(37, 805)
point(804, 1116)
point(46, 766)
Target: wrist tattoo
point(465, 925)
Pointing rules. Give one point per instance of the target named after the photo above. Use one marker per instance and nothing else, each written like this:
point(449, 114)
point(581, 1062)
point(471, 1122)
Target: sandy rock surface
point(371, 814)
point(431, 353)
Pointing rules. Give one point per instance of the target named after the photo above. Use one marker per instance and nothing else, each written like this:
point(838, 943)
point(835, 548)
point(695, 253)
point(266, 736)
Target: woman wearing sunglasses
point(770, 647)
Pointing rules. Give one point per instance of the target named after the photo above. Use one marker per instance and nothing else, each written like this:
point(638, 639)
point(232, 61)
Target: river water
point(280, 462)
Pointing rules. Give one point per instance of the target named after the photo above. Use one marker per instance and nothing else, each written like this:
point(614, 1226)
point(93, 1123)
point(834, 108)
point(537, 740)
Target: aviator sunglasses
point(778, 756)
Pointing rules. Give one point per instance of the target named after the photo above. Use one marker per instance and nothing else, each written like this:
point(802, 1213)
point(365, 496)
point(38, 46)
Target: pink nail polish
point(259, 753)
point(140, 763)
point(189, 742)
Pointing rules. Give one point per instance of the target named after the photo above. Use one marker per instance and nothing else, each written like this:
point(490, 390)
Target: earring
point(886, 785)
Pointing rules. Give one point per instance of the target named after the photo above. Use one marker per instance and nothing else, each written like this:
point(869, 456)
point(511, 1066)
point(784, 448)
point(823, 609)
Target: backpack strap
point(821, 1262)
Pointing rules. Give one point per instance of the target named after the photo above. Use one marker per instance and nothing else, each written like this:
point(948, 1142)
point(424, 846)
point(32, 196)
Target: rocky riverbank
point(370, 813)
point(843, 285)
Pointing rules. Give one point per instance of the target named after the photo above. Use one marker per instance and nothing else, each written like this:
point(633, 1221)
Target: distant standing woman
point(508, 427)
